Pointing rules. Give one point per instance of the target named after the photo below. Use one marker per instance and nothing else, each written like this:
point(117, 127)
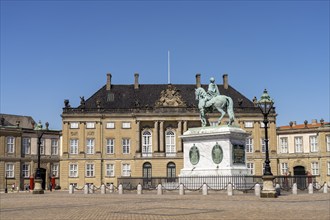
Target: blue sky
point(56, 50)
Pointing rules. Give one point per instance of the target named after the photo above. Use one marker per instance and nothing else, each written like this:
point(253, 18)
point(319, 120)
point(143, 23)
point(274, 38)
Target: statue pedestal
point(214, 151)
point(37, 186)
point(268, 190)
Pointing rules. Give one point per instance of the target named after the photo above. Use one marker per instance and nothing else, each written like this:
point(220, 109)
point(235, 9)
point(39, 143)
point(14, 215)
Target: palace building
point(134, 130)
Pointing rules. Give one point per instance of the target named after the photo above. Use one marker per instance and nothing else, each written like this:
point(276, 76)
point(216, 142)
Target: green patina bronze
point(217, 153)
point(194, 155)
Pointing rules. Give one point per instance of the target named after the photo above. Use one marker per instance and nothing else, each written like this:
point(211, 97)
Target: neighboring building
point(304, 149)
point(18, 152)
point(134, 130)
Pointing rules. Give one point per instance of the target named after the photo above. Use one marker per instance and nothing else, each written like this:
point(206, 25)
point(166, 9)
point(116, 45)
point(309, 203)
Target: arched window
point(170, 143)
point(146, 144)
point(171, 172)
point(147, 174)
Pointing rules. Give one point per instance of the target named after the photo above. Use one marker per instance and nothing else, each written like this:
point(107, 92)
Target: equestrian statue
point(211, 100)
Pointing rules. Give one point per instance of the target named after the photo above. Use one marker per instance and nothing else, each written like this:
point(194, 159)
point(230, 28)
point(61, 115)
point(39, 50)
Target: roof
point(148, 95)
point(11, 120)
point(302, 126)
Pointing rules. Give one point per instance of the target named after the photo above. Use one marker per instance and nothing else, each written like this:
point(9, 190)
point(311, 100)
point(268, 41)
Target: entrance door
point(300, 176)
point(147, 169)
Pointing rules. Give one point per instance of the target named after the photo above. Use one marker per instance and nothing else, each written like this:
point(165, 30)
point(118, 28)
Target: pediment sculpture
point(170, 97)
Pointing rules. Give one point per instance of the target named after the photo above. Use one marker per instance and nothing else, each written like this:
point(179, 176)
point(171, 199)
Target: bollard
point(181, 189)
point(139, 189)
point(159, 189)
point(278, 189)
point(204, 189)
point(91, 189)
point(120, 189)
point(103, 190)
point(310, 188)
point(86, 190)
point(294, 189)
point(71, 189)
point(111, 187)
point(257, 189)
point(230, 189)
point(325, 188)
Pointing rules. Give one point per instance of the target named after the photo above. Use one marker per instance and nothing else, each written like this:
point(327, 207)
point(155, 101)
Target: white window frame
point(313, 143)
point(42, 146)
point(249, 145)
point(74, 125)
point(284, 168)
point(54, 146)
point(10, 142)
point(126, 169)
point(126, 142)
point(90, 145)
point(250, 168)
point(126, 125)
point(327, 140)
point(315, 168)
point(284, 145)
point(328, 173)
point(74, 146)
point(73, 170)
point(110, 170)
point(263, 145)
point(110, 145)
point(298, 144)
point(248, 124)
point(55, 169)
point(213, 123)
point(10, 170)
point(110, 125)
point(90, 170)
point(146, 143)
point(26, 142)
point(90, 125)
point(26, 170)
point(170, 143)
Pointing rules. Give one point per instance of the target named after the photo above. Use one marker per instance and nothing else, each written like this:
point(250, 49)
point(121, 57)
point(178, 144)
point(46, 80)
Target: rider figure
point(212, 91)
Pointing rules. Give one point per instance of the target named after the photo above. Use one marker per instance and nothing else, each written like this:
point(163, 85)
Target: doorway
point(299, 173)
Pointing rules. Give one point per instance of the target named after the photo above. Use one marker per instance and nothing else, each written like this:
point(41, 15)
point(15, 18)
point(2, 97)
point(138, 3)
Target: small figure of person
point(13, 187)
point(213, 90)
point(50, 186)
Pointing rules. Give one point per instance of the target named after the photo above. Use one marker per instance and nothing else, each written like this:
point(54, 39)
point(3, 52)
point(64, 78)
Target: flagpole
point(168, 68)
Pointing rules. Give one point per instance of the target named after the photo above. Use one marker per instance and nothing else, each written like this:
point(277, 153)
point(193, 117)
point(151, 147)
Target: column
point(155, 141)
point(180, 146)
point(161, 137)
point(185, 126)
point(138, 137)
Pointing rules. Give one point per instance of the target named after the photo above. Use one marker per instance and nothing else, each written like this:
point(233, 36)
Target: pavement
point(170, 205)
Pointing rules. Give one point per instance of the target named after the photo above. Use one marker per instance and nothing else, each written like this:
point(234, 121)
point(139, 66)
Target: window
point(10, 144)
point(262, 125)
point(248, 124)
point(170, 143)
point(90, 146)
point(298, 144)
point(284, 169)
point(110, 169)
point(315, 168)
point(73, 146)
point(249, 145)
point(90, 125)
point(110, 125)
point(54, 169)
point(74, 125)
point(313, 144)
point(263, 145)
point(328, 168)
point(126, 125)
point(327, 139)
point(73, 170)
point(10, 170)
point(146, 144)
point(26, 145)
point(89, 170)
point(110, 146)
point(126, 169)
point(213, 123)
point(42, 146)
point(171, 172)
point(26, 170)
point(126, 145)
point(54, 146)
point(250, 167)
point(284, 145)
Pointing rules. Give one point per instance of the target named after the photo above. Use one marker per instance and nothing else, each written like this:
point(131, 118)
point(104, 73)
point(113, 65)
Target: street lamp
point(38, 181)
point(266, 105)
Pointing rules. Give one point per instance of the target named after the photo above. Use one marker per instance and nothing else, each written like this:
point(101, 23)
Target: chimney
point(225, 81)
point(198, 80)
point(314, 121)
point(108, 81)
point(136, 81)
